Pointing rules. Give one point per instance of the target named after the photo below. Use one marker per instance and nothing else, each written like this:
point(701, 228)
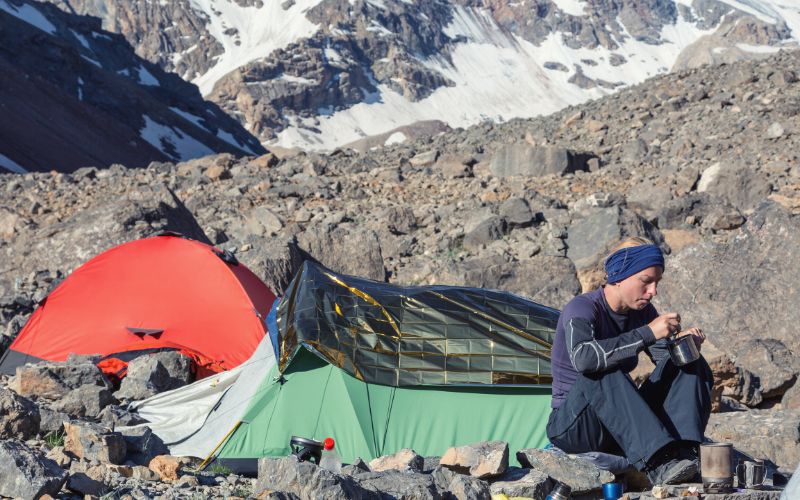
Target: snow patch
point(758, 49)
point(147, 78)
point(260, 32)
point(183, 147)
point(189, 117)
point(11, 165)
point(80, 88)
point(82, 39)
point(89, 59)
point(395, 138)
point(30, 15)
point(571, 7)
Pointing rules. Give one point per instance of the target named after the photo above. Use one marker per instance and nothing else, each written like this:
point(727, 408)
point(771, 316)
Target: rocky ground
point(704, 162)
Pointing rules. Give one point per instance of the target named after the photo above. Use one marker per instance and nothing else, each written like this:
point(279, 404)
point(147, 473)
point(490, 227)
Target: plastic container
point(330, 459)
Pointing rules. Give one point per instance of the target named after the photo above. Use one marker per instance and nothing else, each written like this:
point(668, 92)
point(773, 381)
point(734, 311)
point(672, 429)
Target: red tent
point(159, 293)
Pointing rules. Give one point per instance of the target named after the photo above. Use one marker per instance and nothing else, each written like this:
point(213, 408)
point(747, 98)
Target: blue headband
point(629, 261)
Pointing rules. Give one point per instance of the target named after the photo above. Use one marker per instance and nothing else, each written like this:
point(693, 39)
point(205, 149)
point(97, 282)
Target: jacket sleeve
point(590, 355)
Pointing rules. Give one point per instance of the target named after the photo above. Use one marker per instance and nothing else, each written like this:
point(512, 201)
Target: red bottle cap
point(329, 443)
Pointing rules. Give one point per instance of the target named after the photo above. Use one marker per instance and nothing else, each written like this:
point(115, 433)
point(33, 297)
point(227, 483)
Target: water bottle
point(561, 491)
point(330, 459)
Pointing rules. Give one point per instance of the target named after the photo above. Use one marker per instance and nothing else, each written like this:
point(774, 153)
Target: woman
point(596, 405)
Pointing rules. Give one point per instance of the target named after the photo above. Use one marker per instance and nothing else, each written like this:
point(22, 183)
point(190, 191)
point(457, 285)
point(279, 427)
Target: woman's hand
point(698, 335)
point(665, 325)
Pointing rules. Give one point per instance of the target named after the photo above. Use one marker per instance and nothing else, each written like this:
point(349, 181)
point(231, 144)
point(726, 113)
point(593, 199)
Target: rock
point(166, 466)
point(82, 484)
point(345, 249)
point(399, 219)
point(143, 473)
point(775, 366)
point(114, 416)
point(154, 373)
point(262, 222)
point(54, 381)
point(516, 482)
point(791, 398)
point(26, 473)
point(396, 484)
point(358, 466)
point(454, 167)
point(545, 279)
point(85, 401)
point(60, 457)
point(94, 442)
point(581, 475)
point(516, 212)
point(760, 260)
point(306, 480)
point(487, 231)
point(765, 434)
point(187, 482)
point(469, 488)
point(739, 184)
point(52, 421)
point(723, 217)
point(274, 260)
point(143, 445)
point(590, 239)
point(535, 161)
point(775, 131)
point(424, 159)
point(481, 460)
point(19, 416)
point(405, 460)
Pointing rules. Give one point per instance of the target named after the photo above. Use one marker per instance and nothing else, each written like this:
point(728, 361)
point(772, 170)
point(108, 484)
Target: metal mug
point(716, 467)
point(750, 474)
point(612, 491)
point(683, 350)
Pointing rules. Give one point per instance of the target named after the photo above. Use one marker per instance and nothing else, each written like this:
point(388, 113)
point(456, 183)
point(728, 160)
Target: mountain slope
point(76, 96)
point(320, 73)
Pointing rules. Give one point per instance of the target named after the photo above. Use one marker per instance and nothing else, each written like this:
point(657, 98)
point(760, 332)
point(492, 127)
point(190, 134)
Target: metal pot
point(683, 350)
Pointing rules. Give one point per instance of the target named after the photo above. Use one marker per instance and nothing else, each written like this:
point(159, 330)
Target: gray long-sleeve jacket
point(591, 338)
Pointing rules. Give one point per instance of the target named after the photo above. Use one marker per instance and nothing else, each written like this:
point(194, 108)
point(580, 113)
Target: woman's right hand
point(665, 325)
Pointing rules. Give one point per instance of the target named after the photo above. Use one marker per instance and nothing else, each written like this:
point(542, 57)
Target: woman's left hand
point(697, 334)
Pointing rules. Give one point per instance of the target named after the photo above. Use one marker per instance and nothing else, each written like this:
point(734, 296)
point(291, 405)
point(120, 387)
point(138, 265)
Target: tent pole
point(223, 441)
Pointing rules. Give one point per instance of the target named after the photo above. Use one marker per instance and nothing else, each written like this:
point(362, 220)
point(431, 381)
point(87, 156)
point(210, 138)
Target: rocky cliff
point(75, 95)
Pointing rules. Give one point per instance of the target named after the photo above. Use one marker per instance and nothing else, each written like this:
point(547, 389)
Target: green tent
point(380, 367)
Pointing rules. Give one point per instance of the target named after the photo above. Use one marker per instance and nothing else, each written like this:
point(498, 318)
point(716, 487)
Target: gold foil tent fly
point(415, 335)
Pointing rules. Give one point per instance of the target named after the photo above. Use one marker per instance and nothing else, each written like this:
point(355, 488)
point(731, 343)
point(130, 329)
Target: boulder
point(546, 279)
point(468, 488)
point(94, 442)
point(26, 473)
point(114, 416)
point(791, 398)
point(775, 366)
point(82, 484)
point(85, 401)
point(19, 416)
point(142, 445)
point(396, 484)
point(517, 482)
point(765, 434)
point(166, 466)
point(59, 456)
point(154, 373)
point(405, 460)
point(481, 460)
point(534, 161)
point(590, 239)
point(517, 212)
point(581, 475)
point(52, 421)
point(306, 480)
point(484, 233)
point(743, 186)
point(736, 289)
point(345, 249)
point(55, 380)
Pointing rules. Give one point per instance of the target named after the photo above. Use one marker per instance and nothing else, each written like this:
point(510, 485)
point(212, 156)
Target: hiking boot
point(674, 471)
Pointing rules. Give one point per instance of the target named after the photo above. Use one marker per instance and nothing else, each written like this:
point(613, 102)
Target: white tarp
point(192, 420)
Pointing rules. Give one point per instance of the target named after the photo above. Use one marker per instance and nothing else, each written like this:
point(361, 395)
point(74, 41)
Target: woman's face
point(635, 292)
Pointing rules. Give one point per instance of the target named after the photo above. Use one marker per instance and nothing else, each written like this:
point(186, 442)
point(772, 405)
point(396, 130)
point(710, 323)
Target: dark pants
point(606, 412)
